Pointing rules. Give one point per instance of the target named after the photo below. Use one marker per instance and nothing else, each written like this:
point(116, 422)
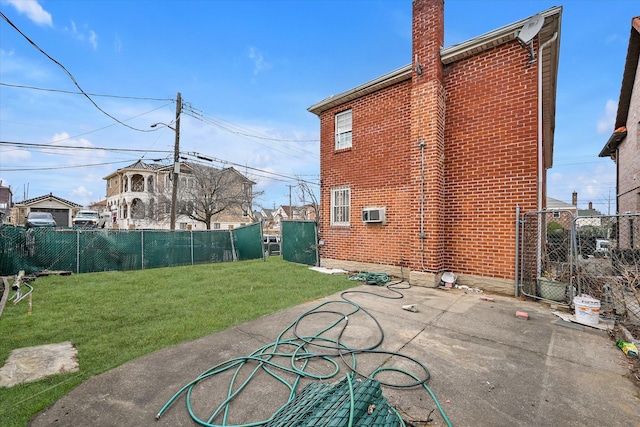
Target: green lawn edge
point(115, 317)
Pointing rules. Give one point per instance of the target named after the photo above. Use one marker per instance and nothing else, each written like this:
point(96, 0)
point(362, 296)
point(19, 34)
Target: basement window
point(343, 130)
point(340, 206)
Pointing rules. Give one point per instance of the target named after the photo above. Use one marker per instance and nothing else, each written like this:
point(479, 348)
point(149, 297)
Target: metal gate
point(561, 256)
point(546, 256)
point(300, 242)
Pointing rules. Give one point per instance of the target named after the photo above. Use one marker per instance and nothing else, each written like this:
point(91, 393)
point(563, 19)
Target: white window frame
point(343, 126)
point(341, 206)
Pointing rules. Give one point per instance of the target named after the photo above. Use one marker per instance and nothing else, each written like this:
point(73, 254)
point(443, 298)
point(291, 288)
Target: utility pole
point(176, 164)
point(290, 207)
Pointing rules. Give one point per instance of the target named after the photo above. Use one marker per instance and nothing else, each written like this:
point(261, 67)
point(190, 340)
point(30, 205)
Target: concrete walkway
point(487, 367)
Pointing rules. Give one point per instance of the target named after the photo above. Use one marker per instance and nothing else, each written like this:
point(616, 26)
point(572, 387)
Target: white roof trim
point(490, 39)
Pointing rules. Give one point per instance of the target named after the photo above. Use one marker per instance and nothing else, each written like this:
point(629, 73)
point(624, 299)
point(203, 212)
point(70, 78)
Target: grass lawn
point(114, 317)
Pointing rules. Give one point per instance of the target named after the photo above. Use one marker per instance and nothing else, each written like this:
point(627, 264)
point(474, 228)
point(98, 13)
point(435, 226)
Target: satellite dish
point(531, 28)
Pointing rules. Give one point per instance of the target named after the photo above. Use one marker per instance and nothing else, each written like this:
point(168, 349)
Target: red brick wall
point(490, 158)
point(479, 126)
point(377, 167)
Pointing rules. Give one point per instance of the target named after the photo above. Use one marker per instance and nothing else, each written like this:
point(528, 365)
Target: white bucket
point(448, 277)
point(587, 310)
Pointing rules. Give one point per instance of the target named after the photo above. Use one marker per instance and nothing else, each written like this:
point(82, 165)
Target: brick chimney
point(591, 206)
point(428, 38)
point(427, 133)
point(574, 198)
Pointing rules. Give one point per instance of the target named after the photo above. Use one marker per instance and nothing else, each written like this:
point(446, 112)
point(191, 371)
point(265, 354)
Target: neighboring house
point(589, 217)
point(437, 155)
point(557, 207)
point(100, 206)
point(265, 217)
point(283, 213)
point(624, 144)
point(139, 196)
point(63, 210)
point(6, 202)
point(582, 217)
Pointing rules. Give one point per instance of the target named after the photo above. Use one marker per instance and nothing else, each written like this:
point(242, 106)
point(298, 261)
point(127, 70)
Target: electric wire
point(303, 349)
point(200, 115)
point(139, 98)
point(68, 73)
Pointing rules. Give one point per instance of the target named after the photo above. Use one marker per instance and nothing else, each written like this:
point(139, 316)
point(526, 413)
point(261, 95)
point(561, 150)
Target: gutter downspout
point(540, 156)
point(422, 235)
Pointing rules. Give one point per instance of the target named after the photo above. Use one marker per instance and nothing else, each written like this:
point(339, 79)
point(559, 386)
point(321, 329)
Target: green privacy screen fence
point(299, 242)
point(84, 251)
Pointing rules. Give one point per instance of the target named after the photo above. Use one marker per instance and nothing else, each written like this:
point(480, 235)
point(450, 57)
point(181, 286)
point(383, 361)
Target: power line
point(70, 76)
point(226, 162)
point(199, 115)
point(71, 147)
point(286, 150)
point(62, 167)
point(264, 173)
point(82, 93)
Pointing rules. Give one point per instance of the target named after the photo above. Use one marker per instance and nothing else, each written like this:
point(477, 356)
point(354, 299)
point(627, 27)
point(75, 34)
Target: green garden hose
point(298, 350)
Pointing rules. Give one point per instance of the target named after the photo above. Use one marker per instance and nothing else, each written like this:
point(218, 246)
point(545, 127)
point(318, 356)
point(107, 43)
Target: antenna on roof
point(526, 34)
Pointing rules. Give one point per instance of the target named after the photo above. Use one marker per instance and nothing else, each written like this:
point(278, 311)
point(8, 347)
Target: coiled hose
point(298, 349)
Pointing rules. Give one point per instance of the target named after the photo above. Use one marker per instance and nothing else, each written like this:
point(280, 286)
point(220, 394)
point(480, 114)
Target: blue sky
point(248, 71)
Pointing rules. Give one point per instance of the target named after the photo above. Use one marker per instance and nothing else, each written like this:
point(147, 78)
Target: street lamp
point(176, 161)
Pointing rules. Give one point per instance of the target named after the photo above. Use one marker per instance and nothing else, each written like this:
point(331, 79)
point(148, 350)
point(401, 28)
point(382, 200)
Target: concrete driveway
point(487, 366)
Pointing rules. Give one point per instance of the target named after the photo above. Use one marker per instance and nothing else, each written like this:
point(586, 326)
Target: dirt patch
point(33, 363)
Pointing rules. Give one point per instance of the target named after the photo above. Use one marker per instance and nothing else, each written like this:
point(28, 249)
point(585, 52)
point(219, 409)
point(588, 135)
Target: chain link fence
point(608, 264)
point(91, 250)
point(563, 256)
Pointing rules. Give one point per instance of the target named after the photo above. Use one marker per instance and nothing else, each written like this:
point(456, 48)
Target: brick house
point(6, 202)
point(138, 196)
point(624, 144)
point(441, 151)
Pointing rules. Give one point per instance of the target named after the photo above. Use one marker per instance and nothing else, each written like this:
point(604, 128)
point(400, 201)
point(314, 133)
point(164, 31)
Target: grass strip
point(115, 317)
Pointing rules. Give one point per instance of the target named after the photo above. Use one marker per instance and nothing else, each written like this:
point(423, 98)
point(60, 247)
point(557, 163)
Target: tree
point(205, 192)
point(308, 198)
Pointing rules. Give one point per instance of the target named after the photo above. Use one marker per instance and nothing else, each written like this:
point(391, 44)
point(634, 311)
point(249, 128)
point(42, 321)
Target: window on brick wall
point(343, 130)
point(340, 206)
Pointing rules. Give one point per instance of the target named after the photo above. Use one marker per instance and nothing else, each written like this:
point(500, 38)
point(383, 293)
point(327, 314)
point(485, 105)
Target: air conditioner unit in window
point(373, 215)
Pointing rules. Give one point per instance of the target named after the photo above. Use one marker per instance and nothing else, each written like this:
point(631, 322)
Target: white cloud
point(89, 36)
point(93, 39)
point(607, 121)
point(13, 155)
point(83, 194)
point(76, 156)
point(33, 10)
point(259, 64)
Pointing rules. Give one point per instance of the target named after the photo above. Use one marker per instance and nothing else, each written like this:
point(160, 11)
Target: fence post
point(517, 277)
point(233, 247)
point(191, 231)
point(77, 251)
point(142, 249)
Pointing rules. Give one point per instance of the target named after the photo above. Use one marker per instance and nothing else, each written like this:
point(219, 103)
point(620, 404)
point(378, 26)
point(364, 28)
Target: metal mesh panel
point(83, 251)
point(212, 246)
point(299, 242)
point(547, 252)
point(608, 265)
point(248, 241)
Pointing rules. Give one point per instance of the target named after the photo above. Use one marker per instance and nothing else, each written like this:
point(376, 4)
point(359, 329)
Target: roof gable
point(49, 196)
point(626, 91)
point(468, 49)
